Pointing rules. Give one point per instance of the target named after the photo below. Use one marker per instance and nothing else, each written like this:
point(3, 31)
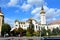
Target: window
point(16, 25)
point(36, 26)
point(39, 28)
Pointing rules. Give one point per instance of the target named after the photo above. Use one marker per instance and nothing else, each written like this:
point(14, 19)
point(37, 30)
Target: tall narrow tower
point(1, 19)
point(42, 16)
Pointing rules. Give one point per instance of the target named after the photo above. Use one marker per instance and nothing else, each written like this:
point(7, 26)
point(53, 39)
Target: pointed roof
point(16, 20)
point(42, 10)
point(0, 9)
point(1, 14)
point(30, 18)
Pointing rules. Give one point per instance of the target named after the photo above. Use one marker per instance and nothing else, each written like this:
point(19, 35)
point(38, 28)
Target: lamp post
point(40, 30)
point(47, 34)
point(47, 31)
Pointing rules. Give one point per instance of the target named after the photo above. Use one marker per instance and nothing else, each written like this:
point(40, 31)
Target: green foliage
point(14, 32)
point(36, 33)
point(28, 34)
point(24, 32)
point(49, 32)
point(30, 29)
point(17, 31)
point(55, 31)
point(20, 30)
point(43, 32)
point(5, 29)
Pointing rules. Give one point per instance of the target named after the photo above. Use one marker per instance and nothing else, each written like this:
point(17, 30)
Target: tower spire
point(1, 14)
point(0, 9)
point(42, 10)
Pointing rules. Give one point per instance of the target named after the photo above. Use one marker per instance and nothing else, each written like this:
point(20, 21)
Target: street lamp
point(40, 30)
point(47, 31)
point(47, 34)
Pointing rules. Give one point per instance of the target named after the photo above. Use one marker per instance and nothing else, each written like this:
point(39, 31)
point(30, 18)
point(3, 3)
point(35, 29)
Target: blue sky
point(24, 9)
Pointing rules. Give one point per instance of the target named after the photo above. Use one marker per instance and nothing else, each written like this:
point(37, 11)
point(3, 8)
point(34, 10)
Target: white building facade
point(25, 25)
point(37, 25)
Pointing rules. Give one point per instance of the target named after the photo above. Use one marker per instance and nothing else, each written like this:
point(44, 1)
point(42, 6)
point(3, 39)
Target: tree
point(37, 33)
point(28, 34)
point(30, 29)
point(55, 31)
point(24, 32)
point(20, 31)
point(49, 32)
point(5, 29)
point(14, 32)
point(43, 32)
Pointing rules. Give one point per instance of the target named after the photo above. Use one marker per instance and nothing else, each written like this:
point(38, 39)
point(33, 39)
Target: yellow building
point(1, 19)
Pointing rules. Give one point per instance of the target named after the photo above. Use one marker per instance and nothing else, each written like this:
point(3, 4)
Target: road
point(51, 38)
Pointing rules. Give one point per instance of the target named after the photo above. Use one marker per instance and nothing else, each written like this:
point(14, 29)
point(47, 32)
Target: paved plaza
point(20, 38)
point(29, 38)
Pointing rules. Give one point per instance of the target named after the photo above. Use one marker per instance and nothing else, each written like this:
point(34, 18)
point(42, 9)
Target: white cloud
point(51, 13)
point(36, 10)
point(58, 12)
point(45, 8)
point(26, 6)
point(37, 17)
point(54, 19)
point(35, 2)
point(30, 4)
point(13, 2)
point(25, 19)
point(9, 21)
point(17, 11)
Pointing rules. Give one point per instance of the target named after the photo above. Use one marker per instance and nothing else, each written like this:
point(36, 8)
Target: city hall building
point(37, 25)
